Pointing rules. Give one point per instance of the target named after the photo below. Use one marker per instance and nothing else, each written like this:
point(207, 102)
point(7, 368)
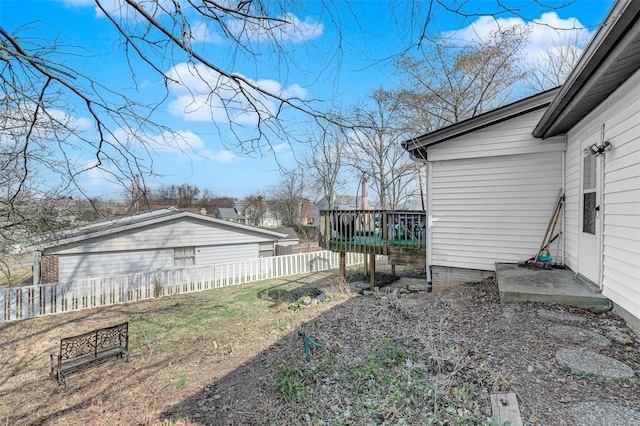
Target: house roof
point(126, 223)
point(229, 213)
point(523, 106)
point(611, 57)
point(289, 232)
point(239, 205)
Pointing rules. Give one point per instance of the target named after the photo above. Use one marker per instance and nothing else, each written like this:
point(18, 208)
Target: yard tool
point(308, 342)
point(548, 236)
point(542, 259)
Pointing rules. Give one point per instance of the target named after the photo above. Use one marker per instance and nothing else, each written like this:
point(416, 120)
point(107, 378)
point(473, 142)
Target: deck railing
point(372, 231)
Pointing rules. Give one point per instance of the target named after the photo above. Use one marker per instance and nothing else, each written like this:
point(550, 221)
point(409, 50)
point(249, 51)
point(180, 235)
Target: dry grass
point(16, 277)
point(233, 356)
point(178, 345)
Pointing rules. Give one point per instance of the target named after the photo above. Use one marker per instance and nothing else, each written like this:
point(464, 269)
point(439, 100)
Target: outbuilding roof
point(138, 220)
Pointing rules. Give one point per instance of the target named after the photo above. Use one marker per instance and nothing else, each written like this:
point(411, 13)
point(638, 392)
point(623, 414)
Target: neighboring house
point(291, 238)
point(239, 205)
point(287, 244)
point(269, 220)
point(307, 212)
point(231, 215)
point(144, 242)
point(493, 180)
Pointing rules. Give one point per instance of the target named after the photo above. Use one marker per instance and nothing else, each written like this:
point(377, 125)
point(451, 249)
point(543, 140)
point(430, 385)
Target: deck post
point(343, 264)
point(366, 263)
point(372, 270)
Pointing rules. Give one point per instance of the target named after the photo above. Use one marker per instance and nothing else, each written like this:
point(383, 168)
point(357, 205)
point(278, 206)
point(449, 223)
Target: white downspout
point(428, 224)
point(563, 240)
point(429, 230)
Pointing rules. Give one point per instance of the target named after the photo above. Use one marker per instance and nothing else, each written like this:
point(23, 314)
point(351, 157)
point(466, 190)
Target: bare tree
point(325, 162)
point(551, 68)
point(287, 199)
point(255, 207)
point(60, 122)
point(183, 195)
point(212, 202)
point(453, 82)
point(375, 149)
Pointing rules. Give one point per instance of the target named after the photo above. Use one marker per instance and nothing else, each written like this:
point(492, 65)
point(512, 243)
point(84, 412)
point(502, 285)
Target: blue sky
point(339, 59)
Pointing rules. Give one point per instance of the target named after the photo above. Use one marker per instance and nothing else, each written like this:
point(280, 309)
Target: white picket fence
point(56, 298)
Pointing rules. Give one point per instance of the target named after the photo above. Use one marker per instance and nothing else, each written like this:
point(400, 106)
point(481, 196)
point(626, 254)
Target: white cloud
point(224, 156)
point(202, 34)
point(204, 95)
point(97, 174)
point(79, 3)
point(549, 34)
point(169, 142)
point(280, 147)
point(285, 28)
point(548, 27)
point(184, 143)
point(122, 10)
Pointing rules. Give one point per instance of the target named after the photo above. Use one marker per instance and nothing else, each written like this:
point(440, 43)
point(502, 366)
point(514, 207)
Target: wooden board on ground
point(504, 407)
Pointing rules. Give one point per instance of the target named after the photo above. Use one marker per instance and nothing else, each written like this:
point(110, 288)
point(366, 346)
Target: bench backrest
point(94, 341)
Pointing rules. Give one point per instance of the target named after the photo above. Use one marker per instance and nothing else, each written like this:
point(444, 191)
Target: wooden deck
point(399, 234)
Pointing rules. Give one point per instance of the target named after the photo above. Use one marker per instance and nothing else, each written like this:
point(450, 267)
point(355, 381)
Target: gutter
point(607, 36)
point(489, 118)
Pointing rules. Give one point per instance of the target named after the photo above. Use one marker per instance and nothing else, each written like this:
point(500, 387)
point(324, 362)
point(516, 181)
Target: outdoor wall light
point(601, 149)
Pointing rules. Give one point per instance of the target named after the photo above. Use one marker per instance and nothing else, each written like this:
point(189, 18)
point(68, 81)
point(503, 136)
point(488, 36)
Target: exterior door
point(590, 255)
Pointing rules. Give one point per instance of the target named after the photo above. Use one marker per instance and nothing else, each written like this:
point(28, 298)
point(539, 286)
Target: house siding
point(184, 232)
point(509, 137)
point(493, 209)
point(87, 265)
point(571, 214)
point(620, 115)
point(151, 247)
point(104, 264)
point(266, 249)
point(209, 255)
point(492, 194)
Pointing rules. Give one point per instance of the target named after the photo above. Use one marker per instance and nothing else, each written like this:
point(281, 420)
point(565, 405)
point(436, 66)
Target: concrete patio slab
point(559, 286)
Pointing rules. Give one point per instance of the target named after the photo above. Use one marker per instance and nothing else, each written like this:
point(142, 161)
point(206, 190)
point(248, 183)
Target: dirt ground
point(383, 361)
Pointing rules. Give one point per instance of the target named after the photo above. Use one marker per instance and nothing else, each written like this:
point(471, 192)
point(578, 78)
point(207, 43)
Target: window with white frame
point(589, 194)
point(184, 256)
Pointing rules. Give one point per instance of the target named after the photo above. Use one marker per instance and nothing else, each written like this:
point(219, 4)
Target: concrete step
point(555, 286)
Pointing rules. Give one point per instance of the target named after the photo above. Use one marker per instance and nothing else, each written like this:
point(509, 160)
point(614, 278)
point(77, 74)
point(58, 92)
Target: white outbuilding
point(157, 240)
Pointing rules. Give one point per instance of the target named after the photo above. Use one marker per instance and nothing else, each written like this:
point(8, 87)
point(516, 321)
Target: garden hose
point(308, 341)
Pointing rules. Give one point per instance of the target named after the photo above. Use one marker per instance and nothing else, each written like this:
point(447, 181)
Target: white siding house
point(492, 187)
point(162, 239)
point(493, 179)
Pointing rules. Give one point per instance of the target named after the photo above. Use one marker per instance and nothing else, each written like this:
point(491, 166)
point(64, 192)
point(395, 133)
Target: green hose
point(307, 344)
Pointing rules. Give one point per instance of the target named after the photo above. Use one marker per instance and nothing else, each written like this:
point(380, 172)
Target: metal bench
point(78, 353)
